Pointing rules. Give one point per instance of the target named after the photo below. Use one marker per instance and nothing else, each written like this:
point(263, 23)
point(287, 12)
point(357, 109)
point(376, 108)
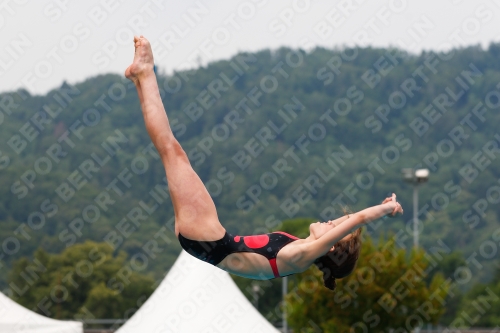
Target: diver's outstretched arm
point(321, 246)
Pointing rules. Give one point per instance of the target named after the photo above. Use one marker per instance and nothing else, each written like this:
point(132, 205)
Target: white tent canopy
point(197, 297)
point(16, 319)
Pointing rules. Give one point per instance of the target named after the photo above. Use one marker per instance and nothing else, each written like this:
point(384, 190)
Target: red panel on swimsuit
point(274, 267)
point(257, 241)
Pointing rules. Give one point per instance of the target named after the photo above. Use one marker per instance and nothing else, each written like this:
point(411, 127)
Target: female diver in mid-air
point(333, 246)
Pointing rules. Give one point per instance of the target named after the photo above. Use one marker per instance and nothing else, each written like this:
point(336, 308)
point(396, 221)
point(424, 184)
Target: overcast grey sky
point(47, 42)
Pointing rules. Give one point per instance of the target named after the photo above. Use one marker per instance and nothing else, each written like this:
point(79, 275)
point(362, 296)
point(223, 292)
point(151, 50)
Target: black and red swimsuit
point(214, 252)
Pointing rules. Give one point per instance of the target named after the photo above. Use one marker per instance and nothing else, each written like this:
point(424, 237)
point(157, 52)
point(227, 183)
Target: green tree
point(448, 266)
point(480, 306)
point(85, 280)
point(386, 291)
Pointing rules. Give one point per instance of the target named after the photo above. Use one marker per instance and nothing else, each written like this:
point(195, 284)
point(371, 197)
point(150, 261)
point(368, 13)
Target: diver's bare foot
point(143, 63)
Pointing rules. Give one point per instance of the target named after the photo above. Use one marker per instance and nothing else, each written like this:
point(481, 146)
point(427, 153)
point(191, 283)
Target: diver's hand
point(394, 204)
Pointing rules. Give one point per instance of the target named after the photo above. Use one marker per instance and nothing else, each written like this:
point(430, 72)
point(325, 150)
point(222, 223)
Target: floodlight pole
point(255, 290)
point(415, 215)
point(415, 177)
point(285, 291)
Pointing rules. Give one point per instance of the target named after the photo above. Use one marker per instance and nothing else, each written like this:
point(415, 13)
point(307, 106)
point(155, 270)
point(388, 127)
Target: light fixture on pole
point(416, 177)
point(255, 292)
point(284, 291)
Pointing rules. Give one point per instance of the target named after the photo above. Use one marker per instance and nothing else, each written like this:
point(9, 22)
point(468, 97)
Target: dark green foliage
point(84, 281)
point(381, 294)
point(338, 113)
point(480, 306)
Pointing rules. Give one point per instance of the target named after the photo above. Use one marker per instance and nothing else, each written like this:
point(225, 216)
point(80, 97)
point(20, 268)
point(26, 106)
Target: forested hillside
point(274, 135)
